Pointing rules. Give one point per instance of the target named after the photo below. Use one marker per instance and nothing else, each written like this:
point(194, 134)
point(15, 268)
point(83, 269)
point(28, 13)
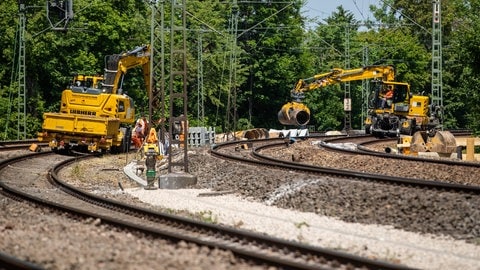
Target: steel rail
point(260, 159)
point(431, 184)
point(363, 150)
point(253, 246)
point(234, 236)
point(10, 262)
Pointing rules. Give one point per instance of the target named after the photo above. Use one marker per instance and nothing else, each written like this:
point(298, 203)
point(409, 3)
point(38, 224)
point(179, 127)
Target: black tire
point(127, 140)
point(378, 135)
point(124, 146)
point(368, 130)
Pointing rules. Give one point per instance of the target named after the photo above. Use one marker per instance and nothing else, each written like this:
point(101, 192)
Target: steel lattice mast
point(437, 95)
point(347, 100)
point(22, 113)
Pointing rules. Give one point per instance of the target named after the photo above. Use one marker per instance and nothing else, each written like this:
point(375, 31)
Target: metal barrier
point(200, 136)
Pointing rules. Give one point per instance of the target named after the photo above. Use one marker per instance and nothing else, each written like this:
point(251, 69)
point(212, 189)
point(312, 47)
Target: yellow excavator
point(402, 113)
point(94, 111)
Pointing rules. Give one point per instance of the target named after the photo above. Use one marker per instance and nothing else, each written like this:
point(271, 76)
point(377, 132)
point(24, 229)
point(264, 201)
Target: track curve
point(258, 248)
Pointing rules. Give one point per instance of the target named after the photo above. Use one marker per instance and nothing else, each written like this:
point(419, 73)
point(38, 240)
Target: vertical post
point(231, 116)
point(178, 101)
point(21, 117)
point(152, 57)
point(437, 93)
point(347, 101)
point(157, 65)
point(178, 81)
point(365, 90)
point(200, 99)
point(470, 149)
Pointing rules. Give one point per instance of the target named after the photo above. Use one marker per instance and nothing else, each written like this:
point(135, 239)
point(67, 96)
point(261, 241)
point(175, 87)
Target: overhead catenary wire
point(359, 11)
point(232, 82)
point(407, 17)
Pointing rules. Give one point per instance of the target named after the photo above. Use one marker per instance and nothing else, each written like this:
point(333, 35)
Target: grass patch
point(77, 172)
point(299, 225)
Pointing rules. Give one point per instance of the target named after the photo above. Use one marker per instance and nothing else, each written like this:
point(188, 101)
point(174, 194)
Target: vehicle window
point(121, 106)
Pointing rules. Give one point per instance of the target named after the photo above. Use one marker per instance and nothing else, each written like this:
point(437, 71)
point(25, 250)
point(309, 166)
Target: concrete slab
point(131, 170)
point(176, 180)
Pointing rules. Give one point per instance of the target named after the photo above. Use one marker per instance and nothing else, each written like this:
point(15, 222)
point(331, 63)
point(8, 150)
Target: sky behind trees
point(321, 9)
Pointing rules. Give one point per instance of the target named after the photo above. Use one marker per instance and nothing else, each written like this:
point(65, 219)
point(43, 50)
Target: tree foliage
point(251, 56)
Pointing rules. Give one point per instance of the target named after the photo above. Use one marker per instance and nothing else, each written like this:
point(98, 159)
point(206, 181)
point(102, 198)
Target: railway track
point(253, 247)
point(255, 156)
point(240, 152)
point(362, 148)
point(19, 145)
point(374, 182)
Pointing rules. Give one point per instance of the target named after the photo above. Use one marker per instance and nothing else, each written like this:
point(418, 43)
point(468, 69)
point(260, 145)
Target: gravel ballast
point(418, 228)
point(373, 241)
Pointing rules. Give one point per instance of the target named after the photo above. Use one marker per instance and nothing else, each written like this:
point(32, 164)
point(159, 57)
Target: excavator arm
point(338, 75)
point(296, 113)
point(117, 66)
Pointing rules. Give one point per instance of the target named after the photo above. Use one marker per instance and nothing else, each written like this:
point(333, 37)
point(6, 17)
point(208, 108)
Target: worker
point(183, 131)
point(145, 126)
point(387, 96)
point(163, 136)
point(180, 131)
point(137, 136)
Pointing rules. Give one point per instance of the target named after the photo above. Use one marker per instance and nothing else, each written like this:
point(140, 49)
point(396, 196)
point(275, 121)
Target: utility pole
point(178, 82)
point(200, 94)
point(365, 89)
point(22, 113)
point(231, 117)
point(156, 95)
point(178, 118)
point(437, 87)
point(347, 101)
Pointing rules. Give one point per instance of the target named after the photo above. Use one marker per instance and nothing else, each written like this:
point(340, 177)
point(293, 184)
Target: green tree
point(327, 48)
point(99, 28)
point(458, 29)
point(463, 67)
point(270, 35)
point(259, 63)
point(212, 23)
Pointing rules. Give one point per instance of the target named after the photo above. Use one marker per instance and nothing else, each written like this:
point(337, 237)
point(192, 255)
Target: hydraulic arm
point(297, 113)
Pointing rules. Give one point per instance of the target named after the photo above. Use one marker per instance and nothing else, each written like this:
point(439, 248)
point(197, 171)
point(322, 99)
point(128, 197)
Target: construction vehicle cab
point(87, 96)
point(404, 113)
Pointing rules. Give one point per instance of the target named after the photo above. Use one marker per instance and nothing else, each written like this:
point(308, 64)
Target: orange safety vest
point(389, 94)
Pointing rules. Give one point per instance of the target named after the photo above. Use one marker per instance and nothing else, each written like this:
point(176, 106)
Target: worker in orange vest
point(387, 96)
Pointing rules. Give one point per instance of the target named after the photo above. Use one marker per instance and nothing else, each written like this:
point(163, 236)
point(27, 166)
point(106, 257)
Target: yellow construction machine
point(402, 113)
point(95, 113)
